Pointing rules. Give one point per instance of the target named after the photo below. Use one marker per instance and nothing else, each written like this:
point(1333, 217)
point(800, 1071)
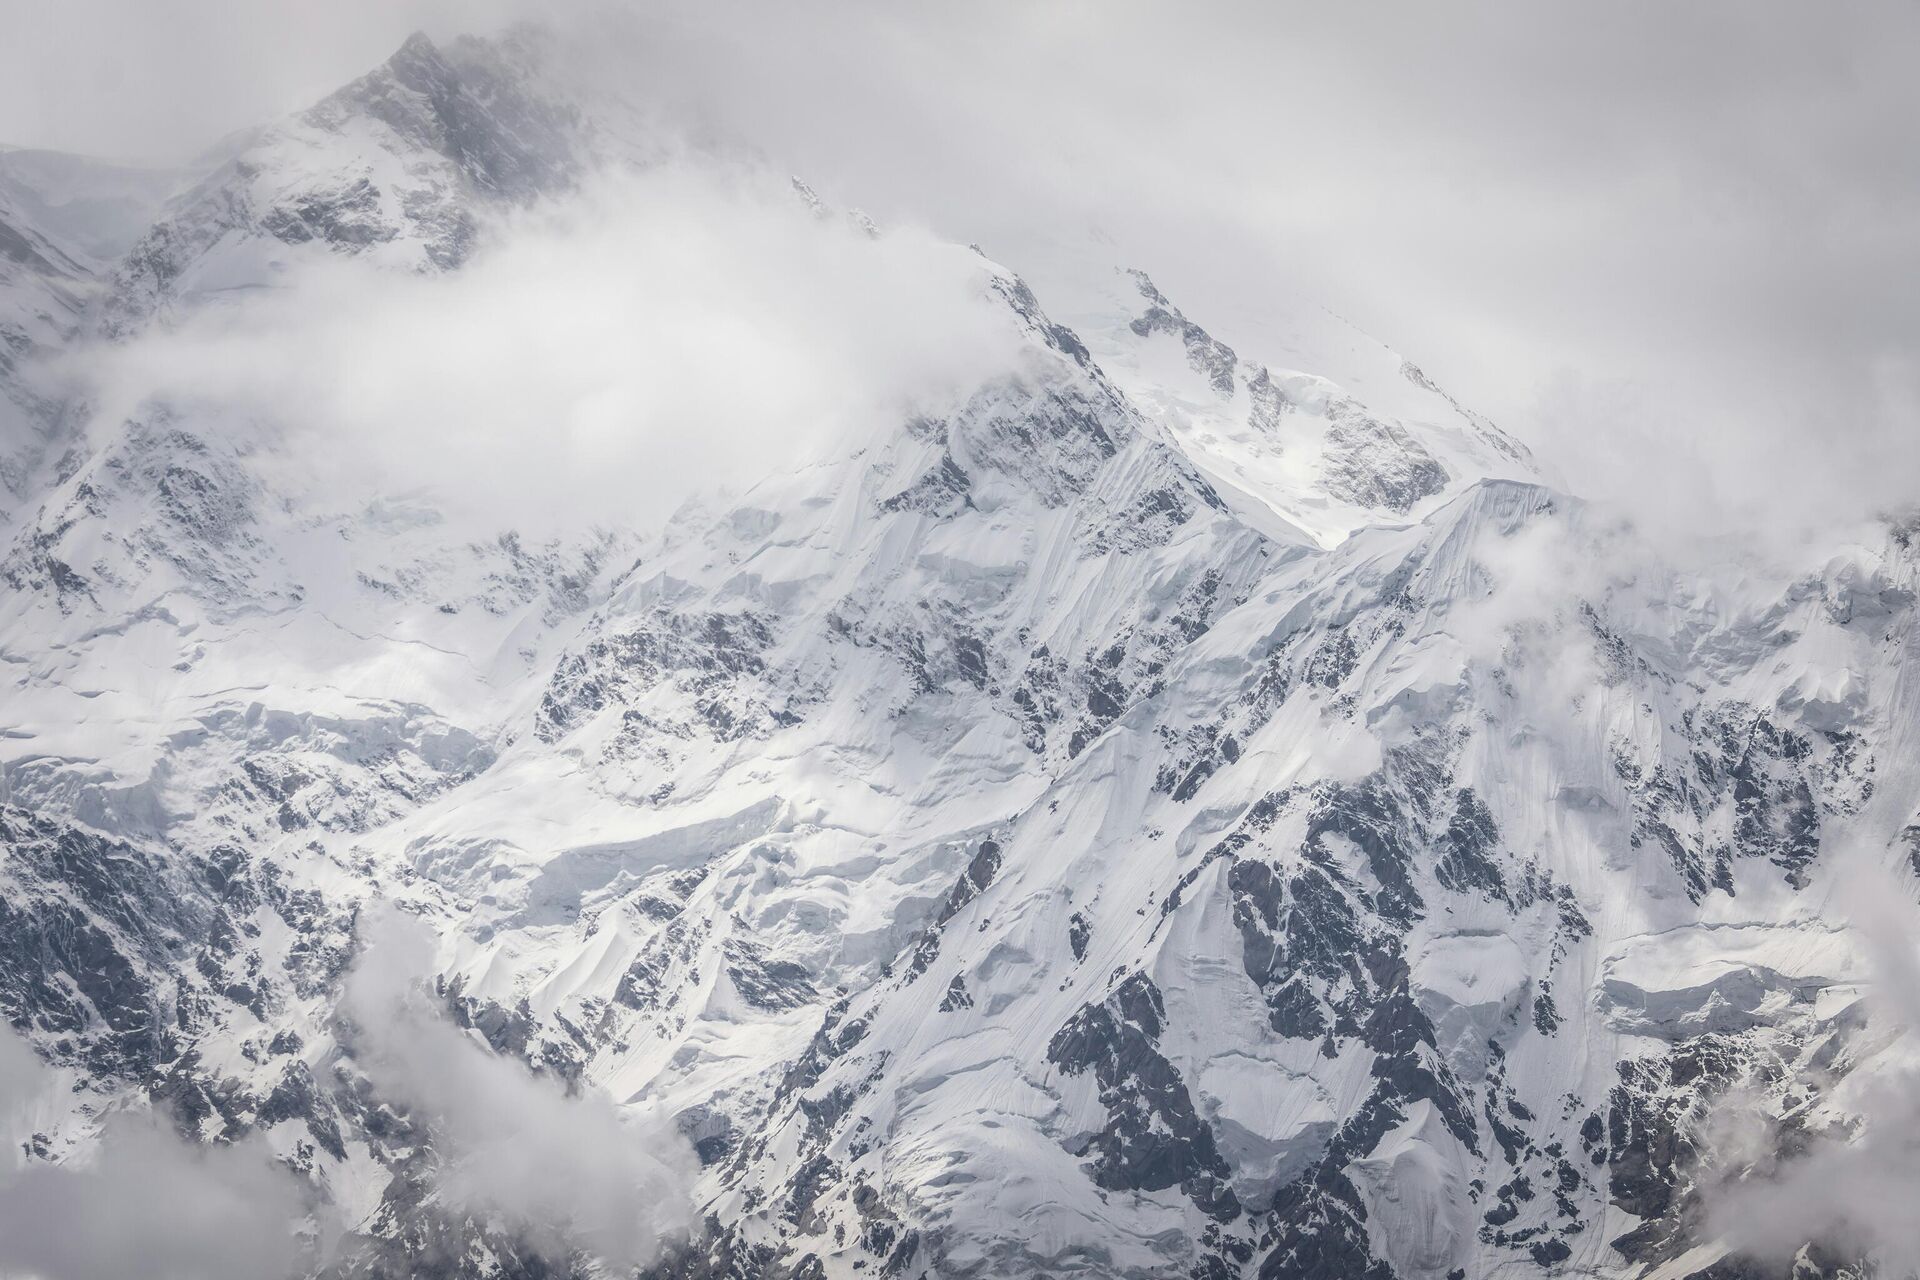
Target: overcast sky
point(1616, 228)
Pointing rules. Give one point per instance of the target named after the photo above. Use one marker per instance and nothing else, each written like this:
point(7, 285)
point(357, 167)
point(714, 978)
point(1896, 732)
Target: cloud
point(565, 1171)
point(22, 1076)
point(1853, 1181)
point(1854, 1195)
point(1713, 208)
point(1529, 608)
point(141, 1200)
point(603, 356)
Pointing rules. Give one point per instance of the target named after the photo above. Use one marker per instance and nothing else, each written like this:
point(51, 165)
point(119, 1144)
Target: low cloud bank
point(1852, 1183)
point(602, 358)
point(142, 1201)
point(562, 1171)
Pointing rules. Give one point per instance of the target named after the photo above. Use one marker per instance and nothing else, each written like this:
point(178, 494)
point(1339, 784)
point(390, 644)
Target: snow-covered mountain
point(1203, 806)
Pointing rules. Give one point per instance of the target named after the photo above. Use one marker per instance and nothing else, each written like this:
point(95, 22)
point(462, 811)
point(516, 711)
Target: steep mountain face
point(1199, 805)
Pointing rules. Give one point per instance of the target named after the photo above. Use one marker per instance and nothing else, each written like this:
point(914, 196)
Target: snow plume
point(564, 1171)
point(1855, 1181)
point(656, 333)
point(140, 1200)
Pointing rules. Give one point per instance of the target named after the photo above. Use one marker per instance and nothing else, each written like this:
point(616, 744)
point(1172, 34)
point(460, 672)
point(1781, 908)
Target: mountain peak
point(416, 47)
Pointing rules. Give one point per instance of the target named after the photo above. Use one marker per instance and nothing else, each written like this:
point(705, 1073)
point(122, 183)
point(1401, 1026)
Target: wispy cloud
point(563, 1171)
point(1851, 1180)
point(141, 1200)
point(600, 359)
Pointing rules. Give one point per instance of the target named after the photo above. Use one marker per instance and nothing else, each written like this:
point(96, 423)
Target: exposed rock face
point(1377, 464)
point(1153, 1139)
point(1155, 818)
point(1207, 354)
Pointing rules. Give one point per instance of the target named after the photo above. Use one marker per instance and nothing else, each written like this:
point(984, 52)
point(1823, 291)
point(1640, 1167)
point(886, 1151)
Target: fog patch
point(140, 1199)
point(1853, 1180)
point(603, 357)
point(563, 1171)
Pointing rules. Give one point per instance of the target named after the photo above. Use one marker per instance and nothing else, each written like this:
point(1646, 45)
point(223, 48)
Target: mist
point(1852, 1180)
point(564, 1171)
point(616, 350)
point(141, 1199)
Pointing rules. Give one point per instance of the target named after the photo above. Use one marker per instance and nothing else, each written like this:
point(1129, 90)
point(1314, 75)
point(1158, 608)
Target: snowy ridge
point(1192, 807)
